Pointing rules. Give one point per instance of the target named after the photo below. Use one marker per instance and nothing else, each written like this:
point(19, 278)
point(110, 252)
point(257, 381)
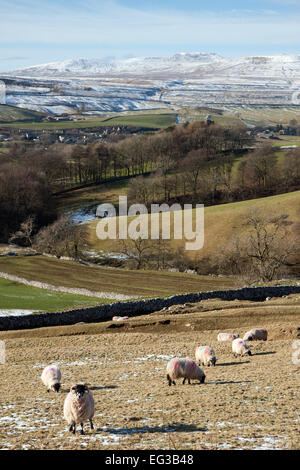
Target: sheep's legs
point(189, 381)
point(72, 428)
point(170, 381)
point(81, 431)
point(91, 422)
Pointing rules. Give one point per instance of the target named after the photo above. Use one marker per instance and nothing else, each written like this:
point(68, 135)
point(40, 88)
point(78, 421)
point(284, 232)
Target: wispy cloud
point(111, 28)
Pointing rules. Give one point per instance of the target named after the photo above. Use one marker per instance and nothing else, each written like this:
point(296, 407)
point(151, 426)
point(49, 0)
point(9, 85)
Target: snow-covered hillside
point(193, 65)
point(178, 63)
point(184, 79)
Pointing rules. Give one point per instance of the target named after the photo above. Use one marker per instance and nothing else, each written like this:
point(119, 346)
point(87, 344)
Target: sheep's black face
point(56, 387)
point(249, 353)
point(202, 379)
point(79, 390)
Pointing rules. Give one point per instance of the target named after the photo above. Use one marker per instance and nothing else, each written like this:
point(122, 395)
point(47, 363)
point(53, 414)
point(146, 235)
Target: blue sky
point(39, 31)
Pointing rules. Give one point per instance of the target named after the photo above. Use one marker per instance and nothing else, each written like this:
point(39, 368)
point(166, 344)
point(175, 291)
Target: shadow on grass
point(104, 387)
point(229, 382)
point(264, 353)
point(176, 427)
point(232, 363)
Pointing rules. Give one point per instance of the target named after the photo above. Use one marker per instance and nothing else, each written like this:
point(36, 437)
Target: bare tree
point(266, 247)
point(25, 233)
point(62, 238)
point(138, 252)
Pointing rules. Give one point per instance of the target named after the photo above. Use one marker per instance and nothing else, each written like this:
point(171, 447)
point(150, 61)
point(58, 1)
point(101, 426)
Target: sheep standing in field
point(205, 356)
point(256, 334)
point(79, 407)
point(184, 368)
point(227, 336)
point(240, 348)
point(51, 376)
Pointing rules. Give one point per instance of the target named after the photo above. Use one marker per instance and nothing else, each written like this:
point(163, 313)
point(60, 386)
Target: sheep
point(227, 336)
point(256, 334)
point(79, 407)
point(205, 356)
point(186, 368)
point(240, 348)
point(50, 377)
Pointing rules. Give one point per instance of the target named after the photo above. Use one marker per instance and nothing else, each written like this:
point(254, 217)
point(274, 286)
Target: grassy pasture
point(139, 283)
point(245, 403)
point(10, 114)
point(221, 221)
point(141, 120)
point(14, 295)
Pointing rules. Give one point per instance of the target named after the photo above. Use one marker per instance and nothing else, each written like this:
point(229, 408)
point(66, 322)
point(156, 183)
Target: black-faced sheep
point(240, 348)
point(205, 356)
point(184, 368)
point(79, 407)
point(227, 336)
point(51, 377)
point(256, 334)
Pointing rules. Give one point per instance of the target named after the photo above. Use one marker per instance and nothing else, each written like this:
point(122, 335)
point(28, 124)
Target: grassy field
point(11, 114)
point(222, 221)
point(16, 296)
point(93, 196)
point(253, 115)
point(151, 121)
point(245, 403)
point(121, 281)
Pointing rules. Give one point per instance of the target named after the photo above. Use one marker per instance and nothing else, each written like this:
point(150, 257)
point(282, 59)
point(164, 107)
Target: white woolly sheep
point(51, 376)
point(227, 336)
point(240, 348)
point(205, 356)
point(79, 407)
point(184, 368)
point(256, 334)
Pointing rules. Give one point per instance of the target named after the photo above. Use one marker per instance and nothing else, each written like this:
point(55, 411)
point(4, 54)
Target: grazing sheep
point(240, 348)
point(256, 334)
point(205, 356)
point(184, 368)
point(79, 407)
point(227, 336)
point(51, 376)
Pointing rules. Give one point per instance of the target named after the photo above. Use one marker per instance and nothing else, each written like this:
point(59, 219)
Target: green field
point(150, 121)
point(14, 295)
point(10, 114)
point(121, 281)
point(253, 115)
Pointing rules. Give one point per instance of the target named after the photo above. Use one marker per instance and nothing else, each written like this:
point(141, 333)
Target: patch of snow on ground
point(15, 312)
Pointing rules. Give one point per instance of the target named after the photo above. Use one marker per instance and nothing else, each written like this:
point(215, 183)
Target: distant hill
point(283, 68)
point(12, 113)
point(147, 83)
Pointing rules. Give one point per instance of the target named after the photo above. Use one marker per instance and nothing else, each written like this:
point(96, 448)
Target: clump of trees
point(24, 193)
point(146, 254)
point(201, 177)
point(63, 238)
point(266, 245)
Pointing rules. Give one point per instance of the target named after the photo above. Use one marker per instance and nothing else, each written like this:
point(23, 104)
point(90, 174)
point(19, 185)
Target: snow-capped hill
point(178, 63)
point(183, 79)
point(182, 65)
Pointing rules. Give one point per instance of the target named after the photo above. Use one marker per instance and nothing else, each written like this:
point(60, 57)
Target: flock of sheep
point(79, 404)
point(205, 355)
